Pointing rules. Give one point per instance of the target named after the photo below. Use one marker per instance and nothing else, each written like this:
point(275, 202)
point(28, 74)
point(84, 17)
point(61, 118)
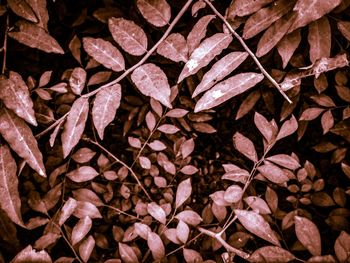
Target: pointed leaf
point(183, 192)
point(105, 53)
point(308, 234)
point(67, 210)
point(258, 205)
point(155, 244)
point(342, 246)
point(41, 12)
point(127, 254)
point(156, 12)
point(182, 231)
point(285, 161)
point(344, 28)
point(288, 128)
point(77, 80)
point(233, 194)
point(20, 138)
point(168, 128)
point(152, 81)
point(23, 9)
point(156, 212)
point(264, 126)
point(327, 121)
point(86, 209)
point(271, 254)
point(174, 47)
point(248, 104)
point(311, 114)
point(29, 254)
point(81, 229)
point(206, 52)
point(142, 230)
point(246, 7)
point(82, 174)
point(86, 247)
point(319, 39)
point(187, 148)
point(129, 36)
point(189, 217)
point(105, 106)
point(273, 173)
point(75, 124)
point(198, 32)
point(288, 45)
point(245, 146)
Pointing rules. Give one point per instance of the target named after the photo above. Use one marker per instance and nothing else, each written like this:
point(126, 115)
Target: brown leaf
point(129, 36)
point(285, 161)
point(320, 39)
point(105, 106)
point(198, 32)
point(342, 129)
point(127, 254)
point(342, 246)
point(271, 198)
point(9, 195)
point(183, 192)
point(46, 240)
point(311, 114)
point(227, 89)
point(206, 52)
point(152, 81)
point(20, 138)
point(220, 70)
point(86, 247)
point(99, 77)
point(142, 230)
point(82, 174)
point(28, 254)
point(327, 121)
point(81, 229)
point(344, 28)
point(87, 195)
point(155, 244)
point(245, 146)
point(156, 212)
point(271, 254)
point(234, 173)
point(156, 12)
point(86, 209)
point(288, 128)
point(16, 97)
point(105, 53)
point(41, 12)
point(83, 155)
point(308, 234)
point(343, 92)
point(273, 173)
point(174, 47)
point(104, 13)
point(189, 217)
point(34, 36)
point(74, 47)
point(75, 124)
point(264, 126)
point(258, 205)
point(77, 80)
point(23, 9)
point(287, 46)
point(246, 7)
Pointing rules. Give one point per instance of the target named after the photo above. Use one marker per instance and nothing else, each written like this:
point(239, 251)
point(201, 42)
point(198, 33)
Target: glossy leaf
point(84, 209)
point(258, 205)
point(67, 210)
point(245, 146)
point(183, 192)
point(156, 12)
point(198, 32)
point(174, 47)
point(233, 194)
point(308, 235)
point(155, 244)
point(81, 229)
point(319, 39)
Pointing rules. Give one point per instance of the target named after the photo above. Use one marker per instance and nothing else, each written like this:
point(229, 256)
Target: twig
point(121, 212)
point(233, 32)
point(4, 48)
point(52, 126)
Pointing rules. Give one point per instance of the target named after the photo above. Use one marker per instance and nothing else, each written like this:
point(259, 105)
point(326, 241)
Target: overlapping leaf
point(246, 7)
point(288, 45)
point(320, 39)
point(29, 254)
point(23, 9)
point(174, 47)
point(40, 10)
point(308, 234)
point(198, 32)
point(156, 12)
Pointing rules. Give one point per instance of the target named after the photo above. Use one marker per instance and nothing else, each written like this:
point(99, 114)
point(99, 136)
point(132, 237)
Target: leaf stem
point(257, 62)
point(4, 48)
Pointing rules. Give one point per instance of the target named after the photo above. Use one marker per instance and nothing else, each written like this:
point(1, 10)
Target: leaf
point(271, 198)
point(82, 174)
point(233, 194)
point(342, 129)
point(105, 106)
point(189, 217)
point(129, 36)
point(155, 244)
point(105, 53)
point(271, 254)
point(34, 36)
point(248, 104)
point(182, 231)
point(67, 210)
point(127, 254)
point(83, 155)
point(285, 161)
point(9, 195)
point(344, 28)
point(319, 39)
point(266, 17)
point(311, 114)
point(245, 146)
point(142, 230)
point(77, 80)
point(220, 70)
point(246, 7)
point(168, 128)
point(257, 225)
point(152, 81)
point(264, 126)
point(176, 113)
point(174, 47)
point(287, 46)
point(74, 47)
point(81, 229)
point(288, 128)
point(206, 52)
point(311, 10)
point(227, 89)
point(86, 247)
point(86, 209)
point(342, 246)
point(192, 256)
point(28, 254)
point(87, 195)
point(74, 125)
point(187, 148)
point(41, 12)
point(308, 235)
point(189, 169)
point(156, 12)
point(198, 32)
point(183, 192)
point(157, 145)
point(236, 174)
point(23, 9)
point(16, 97)
point(327, 121)
point(258, 205)
point(156, 212)
point(20, 138)
point(273, 173)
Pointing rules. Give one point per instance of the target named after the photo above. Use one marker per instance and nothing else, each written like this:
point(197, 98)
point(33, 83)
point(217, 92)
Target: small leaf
point(127, 254)
point(264, 126)
point(327, 121)
point(187, 148)
point(77, 80)
point(206, 52)
point(245, 146)
point(86, 209)
point(87, 195)
point(74, 47)
point(271, 254)
point(319, 39)
point(75, 125)
point(156, 212)
point(342, 246)
point(234, 173)
point(86, 247)
point(192, 256)
point(105, 106)
point(45, 77)
point(287, 46)
point(189, 217)
point(288, 128)
point(129, 36)
point(168, 128)
point(176, 113)
point(82, 174)
point(99, 77)
point(189, 169)
point(83, 155)
point(174, 47)
point(271, 198)
point(246, 7)
point(145, 162)
point(28, 254)
point(183, 192)
point(273, 173)
point(157, 145)
point(23, 9)
point(182, 232)
point(258, 205)
point(152, 81)
point(170, 233)
point(105, 53)
point(81, 229)
point(34, 36)
point(155, 244)
point(233, 194)
point(67, 210)
point(257, 225)
point(308, 235)
point(285, 161)
point(156, 12)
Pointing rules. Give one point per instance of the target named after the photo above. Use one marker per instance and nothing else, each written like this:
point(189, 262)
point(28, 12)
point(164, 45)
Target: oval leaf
point(246, 7)
point(81, 229)
point(183, 192)
point(189, 217)
point(245, 146)
point(86, 247)
point(127, 253)
point(82, 174)
point(308, 235)
point(156, 246)
point(271, 254)
point(156, 12)
point(273, 173)
point(285, 161)
point(198, 32)
point(156, 212)
point(174, 47)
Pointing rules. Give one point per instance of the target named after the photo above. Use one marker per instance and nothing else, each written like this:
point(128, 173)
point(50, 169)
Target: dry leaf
point(183, 192)
point(308, 234)
point(156, 12)
point(174, 47)
point(245, 146)
point(198, 32)
point(320, 39)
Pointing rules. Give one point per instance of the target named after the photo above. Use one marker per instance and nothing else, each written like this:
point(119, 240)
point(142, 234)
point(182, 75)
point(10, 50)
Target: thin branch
point(233, 32)
point(4, 48)
point(52, 126)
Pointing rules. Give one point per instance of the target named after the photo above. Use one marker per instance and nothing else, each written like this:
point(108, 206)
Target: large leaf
point(220, 70)
point(105, 106)
point(23, 9)
point(198, 32)
point(156, 12)
point(288, 45)
point(105, 53)
point(227, 89)
point(128, 35)
point(266, 17)
point(308, 235)
point(246, 7)
point(174, 47)
point(206, 52)
point(29, 254)
point(15, 95)
point(40, 10)
point(320, 39)
point(34, 36)
point(75, 124)
point(152, 81)
point(20, 137)
point(10, 201)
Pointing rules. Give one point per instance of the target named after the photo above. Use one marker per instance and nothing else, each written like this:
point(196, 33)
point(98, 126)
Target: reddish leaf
point(233, 194)
point(176, 113)
point(81, 229)
point(342, 129)
point(342, 246)
point(327, 121)
point(28, 254)
point(273, 173)
point(82, 174)
point(258, 205)
point(74, 47)
point(168, 129)
point(192, 256)
point(105, 106)
point(23, 9)
point(187, 148)
point(288, 45)
point(155, 244)
point(182, 232)
point(198, 32)
point(308, 235)
point(156, 12)
point(189, 217)
point(127, 253)
point(183, 192)
point(83, 155)
point(248, 104)
point(218, 198)
point(67, 210)
point(246, 7)
point(145, 162)
point(86, 247)
point(234, 173)
point(285, 161)
point(99, 77)
point(157, 145)
point(20, 138)
point(320, 39)
point(271, 254)
point(130, 37)
point(86, 209)
point(174, 47)
point(41, 12)
point(77, 80)
point(344, 28)
point(75, 125)
point(142, 230)
point(264, 126)
point(156, 212)
point(271, 198)
point(245, 146)
point(189, 169)
point(150, 121)
point(288, 128)
point(311, 114)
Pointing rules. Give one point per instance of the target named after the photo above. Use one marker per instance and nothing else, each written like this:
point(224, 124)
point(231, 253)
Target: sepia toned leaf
point(227, 89)
point(157, 145)
point(264, 126)
point(189, 169)
point(198, 32)
point(197, 6)
point(28, 254)
point(220, 70)
point(285, 161)
point(168, 128)
point(271, 198)
point(77, 80)
point(327, 121)
point(233, 194)
point(82, 174)
point(246, 7)
point(127, 254)
point(145, 162)
point(104, 13)
point(40, 9)
point(9, 195)
point(74, 125)
point(105, 53)
point(344, 28)
point(288, 127)
point(257, 225)
point(87, 195)
point(204, 53)
point(170, 233)
point(183, 192)
point(342, 246)
point(105, 106)
point(319, 39)
point(182, 232)
point(192, 256)
point(86, 247)
point(311, 114)
point(174, 47)
point(20, 138)
point(258, 205)
point(271, 254)
point(155, 244)
point(142, 230)
point(74, 47)
point(308, 234)
point(99, 77)
point(342, 129)
point(248, 104)
point(189, 217)
point(15, 95)
point(152, 81)
point(287, 46)
point(34, 36)
point(176, 113)
point(156, 12)
point(156, 212)
point(84, 209)
point(187, 148)
point(129, 36)
point(245, 146)
point(46, 240)
point(273, 173)
point(67, 210)
point(203, 127)
point(234, 173)
point(81, 229)
point(83, 155)
point(23, 9)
